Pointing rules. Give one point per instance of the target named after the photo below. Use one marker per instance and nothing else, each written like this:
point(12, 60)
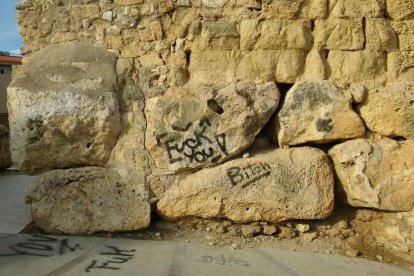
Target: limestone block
point(213, 3)
point(376, 173)
point(87, 200)
point(212, 67)
point(275, 35)
point(380, 36)
point(400, 66)
point(389, 110)
point(315, 66)
point(351, 67)
point(271, 65)
point(218, 35)
point(405, 32)
point(356, 8)
point(274, 186)
point(339, 34)
point(290, 9)
point(193, 126)
point(400, 9)
point(63, 109)
point(128, 2)
point(85, 11)
point(5, 156)
point(316, 111)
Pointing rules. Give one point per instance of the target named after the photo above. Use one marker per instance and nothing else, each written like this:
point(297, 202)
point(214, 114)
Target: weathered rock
point(193, 126)
point(400, 9)
point(89, 199)
point(389, 110)
point(356, 8)
point(248, 231)
point(376, 173)
point(5, 157)
point(275, 186)
point(63, 109)
point(390, 234)
point(316, 111)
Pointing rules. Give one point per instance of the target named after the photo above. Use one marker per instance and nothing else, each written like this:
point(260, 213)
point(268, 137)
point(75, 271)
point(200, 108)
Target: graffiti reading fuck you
point(248, 174)
point(199, 148)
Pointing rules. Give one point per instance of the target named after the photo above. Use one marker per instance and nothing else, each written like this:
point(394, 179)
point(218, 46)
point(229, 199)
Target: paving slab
point(67, 255)
point(14, 213)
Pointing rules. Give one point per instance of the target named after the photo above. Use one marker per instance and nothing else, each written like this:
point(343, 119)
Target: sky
point(9, 35)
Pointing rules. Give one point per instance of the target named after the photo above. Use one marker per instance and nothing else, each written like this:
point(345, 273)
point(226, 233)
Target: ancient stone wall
point(218, 41)
point(248, 110)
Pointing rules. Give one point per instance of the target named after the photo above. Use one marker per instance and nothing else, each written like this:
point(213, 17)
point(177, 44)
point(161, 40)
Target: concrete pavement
point(67, 255)
point(14, 213)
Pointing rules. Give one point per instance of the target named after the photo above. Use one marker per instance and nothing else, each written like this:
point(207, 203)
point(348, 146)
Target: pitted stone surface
point(316, 111)
point(63, 109)
point(88, 200)
point(193, 127)
point(376, 173)
point(389, 110)
point(274, 186)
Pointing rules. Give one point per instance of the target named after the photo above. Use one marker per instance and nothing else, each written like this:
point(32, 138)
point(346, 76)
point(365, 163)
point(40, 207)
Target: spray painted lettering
point(199, 148)
point(222, 260)
point(116, 257)
point(249, 174)
point(42, 246)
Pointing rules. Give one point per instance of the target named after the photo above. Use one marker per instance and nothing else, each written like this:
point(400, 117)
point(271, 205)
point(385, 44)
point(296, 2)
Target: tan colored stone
point(386, 232)
point(275, 35)
point(63, 109)
point(5, 156)
point(356, 8)
point(88, 200)
point(150, 59)
point(315, 66)
point(344, 65)
point(193, 126)
point(218, 35)
point(272, 65)
point(128, 2)
point(380, 36)
point(400, 66)
point(316, 111)
point(274, 186)
point(290, 9)
point(389, 110)
point(405, 32)
point(85, 11)
point(400, 9)
point(339, 34)
point(376, 173)
point(248, 231)
point(212, 67)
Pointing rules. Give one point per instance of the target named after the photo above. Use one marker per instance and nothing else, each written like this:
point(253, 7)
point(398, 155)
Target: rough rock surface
point(376, 173)
point(87, 200)
point(193, 126)
point(5, 157)
point(63, 109)
point(316, 111)
point(274, 186)
point(389, 110)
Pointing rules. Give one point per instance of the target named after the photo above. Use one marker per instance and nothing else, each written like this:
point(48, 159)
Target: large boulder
point(5, 157)
point(318, 112)
point(192, 127)
point(274, 186)
point(63, 109)
point(389, 110)
point(88, 200)
point(376, 173)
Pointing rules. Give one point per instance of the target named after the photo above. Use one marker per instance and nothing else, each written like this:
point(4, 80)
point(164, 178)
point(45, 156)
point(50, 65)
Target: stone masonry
point(124, 104)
